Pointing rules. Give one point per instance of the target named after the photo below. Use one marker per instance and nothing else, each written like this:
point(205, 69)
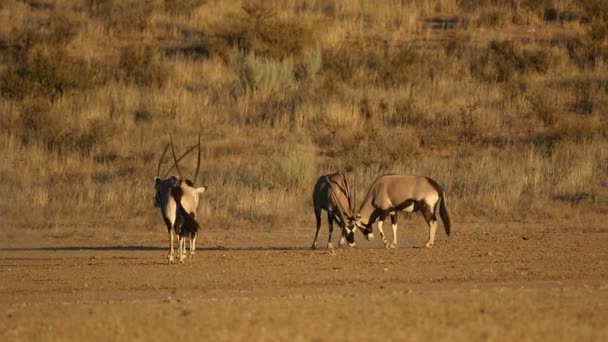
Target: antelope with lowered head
point(332, 194)
point(389, 194)
point(178, 200)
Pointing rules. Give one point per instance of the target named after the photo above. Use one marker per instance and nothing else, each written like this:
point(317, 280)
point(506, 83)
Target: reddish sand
point(500, 285)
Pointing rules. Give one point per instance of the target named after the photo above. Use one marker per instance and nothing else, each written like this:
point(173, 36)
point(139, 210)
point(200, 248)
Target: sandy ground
point(523, 284)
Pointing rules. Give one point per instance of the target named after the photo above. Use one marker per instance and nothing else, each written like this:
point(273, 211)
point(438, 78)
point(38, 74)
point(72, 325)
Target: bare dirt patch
point(492, 285)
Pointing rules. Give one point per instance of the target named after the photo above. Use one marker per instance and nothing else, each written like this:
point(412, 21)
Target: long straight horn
point(175, 158)
point(179, 159)
point(198, 159)
point(349, 195)
point(333, 195)
point(355, 195)
point(160, 161)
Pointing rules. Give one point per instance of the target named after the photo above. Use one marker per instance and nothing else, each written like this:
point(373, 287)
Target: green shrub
point(287, 164)
point(261, 73)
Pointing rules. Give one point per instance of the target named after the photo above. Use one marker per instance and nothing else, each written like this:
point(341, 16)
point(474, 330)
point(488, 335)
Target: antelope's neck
point(366, 211)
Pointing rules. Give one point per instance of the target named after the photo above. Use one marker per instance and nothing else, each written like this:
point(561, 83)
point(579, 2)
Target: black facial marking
point(350, 237)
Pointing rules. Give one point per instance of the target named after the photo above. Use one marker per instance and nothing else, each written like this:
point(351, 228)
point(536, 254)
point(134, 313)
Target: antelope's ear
point(201, 189)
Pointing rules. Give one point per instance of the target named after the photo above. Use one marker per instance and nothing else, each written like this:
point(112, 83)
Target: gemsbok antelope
point(389, 194)
point(332, 194)
point(177, 198)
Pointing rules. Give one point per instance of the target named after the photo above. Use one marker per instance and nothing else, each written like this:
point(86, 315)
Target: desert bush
point(310, 65)
point(182, 7)
point(22, 40)
point(35, 121)
point(501, 61)
point(542, 107)
point(456, 43)
point(123, 14)
point(62, 28)
point(48, 73)
point(142, 65)
point(592, 48)
point(261, 33)
point(493, 17)
point(39, 124)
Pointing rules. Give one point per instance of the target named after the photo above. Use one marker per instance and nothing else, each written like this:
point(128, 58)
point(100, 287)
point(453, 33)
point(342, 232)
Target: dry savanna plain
point(503, 102)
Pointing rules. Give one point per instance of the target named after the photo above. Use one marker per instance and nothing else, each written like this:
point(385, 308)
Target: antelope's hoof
point(171, 259)
point(342, 241)
point(393, 245)
point(428, 245)
point(330, 245)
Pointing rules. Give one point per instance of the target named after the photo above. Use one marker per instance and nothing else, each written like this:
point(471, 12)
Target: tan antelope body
point(332, 194)
point(178, 201)
point(389, 194)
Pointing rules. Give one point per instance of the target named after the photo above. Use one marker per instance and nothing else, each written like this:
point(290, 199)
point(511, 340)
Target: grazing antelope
point(177, 198)
point(389, 194)
point(332, 193)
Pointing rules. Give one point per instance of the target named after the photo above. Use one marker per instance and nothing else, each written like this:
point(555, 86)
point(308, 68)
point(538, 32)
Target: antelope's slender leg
point(394, 226)
point(170, 256)
point(181, 246)
point(192, 245)
point(342, 236)
point(431, 220)
point(380, 223)
point(318, 217)
point(432, 230)
point(330, 224)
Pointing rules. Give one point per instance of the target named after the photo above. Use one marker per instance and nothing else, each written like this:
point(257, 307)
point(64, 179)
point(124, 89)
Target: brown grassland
point(503, 102)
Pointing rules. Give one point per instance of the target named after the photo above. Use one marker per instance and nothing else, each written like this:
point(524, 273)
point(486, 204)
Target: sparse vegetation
point(505, 103)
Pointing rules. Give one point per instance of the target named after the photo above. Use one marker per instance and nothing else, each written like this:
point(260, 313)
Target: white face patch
point(409, 208)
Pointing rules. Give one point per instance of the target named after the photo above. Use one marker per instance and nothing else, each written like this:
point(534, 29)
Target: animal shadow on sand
point(151, 248)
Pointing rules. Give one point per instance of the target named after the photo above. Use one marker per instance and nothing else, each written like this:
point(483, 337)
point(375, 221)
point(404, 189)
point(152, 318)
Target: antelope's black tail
point(443, 212)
